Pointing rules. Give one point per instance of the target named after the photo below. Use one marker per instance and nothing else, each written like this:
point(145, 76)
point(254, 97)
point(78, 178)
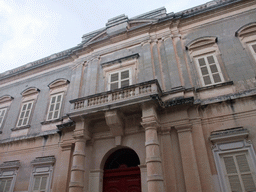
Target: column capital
point(184, 128)
point(150, 122)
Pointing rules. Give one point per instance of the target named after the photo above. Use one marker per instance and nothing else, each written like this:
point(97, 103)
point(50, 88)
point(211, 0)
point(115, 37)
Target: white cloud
point(21, 34)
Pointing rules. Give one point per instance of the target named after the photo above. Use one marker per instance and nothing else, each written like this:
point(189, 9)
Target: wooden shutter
point(114, 79)
point(210, 70)
point(40, 183)
point(125, 78)
point(5, 185)
point(25, 114)
point(55, 107)
point(2, 114)
point(238, 173)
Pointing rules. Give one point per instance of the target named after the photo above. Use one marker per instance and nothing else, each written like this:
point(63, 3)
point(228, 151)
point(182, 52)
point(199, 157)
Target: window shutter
point(43, 183)
point(8, 185)
point(246, 174)
point(2, 114)
point(55, 106)
point(37, 183)
point(2, 184)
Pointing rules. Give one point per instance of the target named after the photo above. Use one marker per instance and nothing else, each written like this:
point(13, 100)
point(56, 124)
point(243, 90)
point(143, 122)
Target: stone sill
point(51, 121)
point(20, 128)
point(214, 86)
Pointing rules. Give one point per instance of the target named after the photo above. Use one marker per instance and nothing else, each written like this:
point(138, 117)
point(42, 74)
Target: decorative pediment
point(58, 83)
point(44, 160)
point(201, 43)
point(246, 30)
point(10, 165)
point(120, 60)
point(30, 91)
point(5, 98)
point(228, 135)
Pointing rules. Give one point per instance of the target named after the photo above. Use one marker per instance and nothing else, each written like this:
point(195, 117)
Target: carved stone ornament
point(58, 83)
point(201, 42)
point(5, 98)
point(248, 29)
point(10, 164)
point(44, 160)
point(228, 135)
point(30, 91)
point(150, 123)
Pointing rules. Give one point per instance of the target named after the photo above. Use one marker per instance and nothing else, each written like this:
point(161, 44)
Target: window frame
point(60, 107)
point(231, 141)
point(196, 58)
point(233, 153)
point(29, 115)
point(42, 166)
point(251, 49)
point(3, 117)
point(9, 170)
point(119, 77)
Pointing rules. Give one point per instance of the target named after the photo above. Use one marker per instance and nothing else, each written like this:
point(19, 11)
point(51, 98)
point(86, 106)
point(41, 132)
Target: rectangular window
point(5, 184)
point(239, 172)
point(55, 106)
point(2, 115)
point(40, 183)
point(209, 70)
point(25, 112)
point(119, 79)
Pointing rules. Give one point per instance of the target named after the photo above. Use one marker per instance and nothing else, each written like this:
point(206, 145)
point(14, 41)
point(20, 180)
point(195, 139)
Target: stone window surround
point(5, 102)
point(56, 87)
point(230, 141)
point(28, 95)
point(205, 46)
point(9, 170)
point(247, 37)
point(125, 63)
point(42, 166)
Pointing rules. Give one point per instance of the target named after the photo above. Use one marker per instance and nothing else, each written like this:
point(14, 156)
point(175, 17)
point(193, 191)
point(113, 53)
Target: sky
point(34, 29)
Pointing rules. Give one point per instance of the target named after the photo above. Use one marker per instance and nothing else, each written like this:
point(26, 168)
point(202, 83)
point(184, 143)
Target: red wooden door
point(122, 179)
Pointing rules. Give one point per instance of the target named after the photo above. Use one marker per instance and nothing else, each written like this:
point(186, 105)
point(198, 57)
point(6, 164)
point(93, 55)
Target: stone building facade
point(157, 102)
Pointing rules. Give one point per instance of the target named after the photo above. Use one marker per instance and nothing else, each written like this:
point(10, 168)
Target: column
point(78, 165)
point(188, 157)
point(153, 159)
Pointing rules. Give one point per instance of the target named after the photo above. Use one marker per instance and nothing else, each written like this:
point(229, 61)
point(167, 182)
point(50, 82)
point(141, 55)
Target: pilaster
point(188, 157)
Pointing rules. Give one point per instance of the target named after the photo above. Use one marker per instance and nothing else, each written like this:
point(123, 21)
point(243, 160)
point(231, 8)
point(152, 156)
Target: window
point(25, 114)
point(209, 70)
point(247, 36)
point(42, 173)
point(2, 115)
point(40, 183)
point(121, 72)
point(5, 184)
point(119, 79)
point(5, 102)
point(235, 160)
point(205, 53)
point(55, 106)
point(252, 47)
point(8, 172)
point(238, 171)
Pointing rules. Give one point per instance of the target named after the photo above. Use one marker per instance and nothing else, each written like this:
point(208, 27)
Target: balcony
point(129, 95)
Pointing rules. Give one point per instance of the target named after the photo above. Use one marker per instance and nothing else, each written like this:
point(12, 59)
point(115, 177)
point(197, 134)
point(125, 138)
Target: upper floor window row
point(29, 98)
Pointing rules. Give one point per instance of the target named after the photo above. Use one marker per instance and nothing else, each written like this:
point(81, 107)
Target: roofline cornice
point(71, 53)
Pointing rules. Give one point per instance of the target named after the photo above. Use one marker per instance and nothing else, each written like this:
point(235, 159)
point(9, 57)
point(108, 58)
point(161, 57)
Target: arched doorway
point(121, 172)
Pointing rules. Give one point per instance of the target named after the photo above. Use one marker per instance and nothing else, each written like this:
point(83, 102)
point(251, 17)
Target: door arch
point(121, 172)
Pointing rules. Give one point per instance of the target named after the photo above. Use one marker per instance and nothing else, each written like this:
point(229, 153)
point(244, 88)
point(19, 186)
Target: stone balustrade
point(117, 95)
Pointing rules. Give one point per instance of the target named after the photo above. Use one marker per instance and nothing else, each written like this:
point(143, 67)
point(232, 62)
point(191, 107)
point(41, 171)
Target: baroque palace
point(161, 102)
